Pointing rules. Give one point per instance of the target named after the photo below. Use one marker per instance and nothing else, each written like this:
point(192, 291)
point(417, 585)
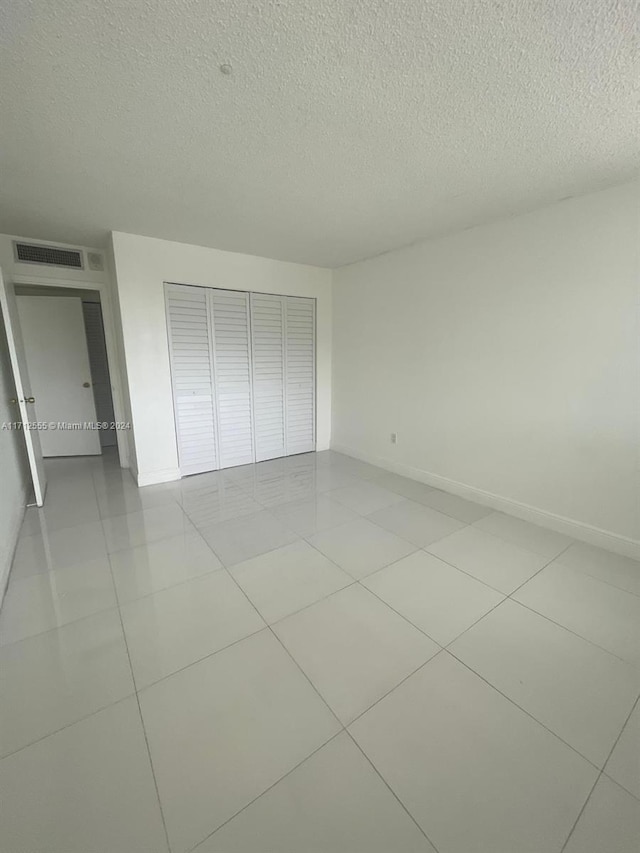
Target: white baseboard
point(570, 527)
point(10, 543)
point(151, 478)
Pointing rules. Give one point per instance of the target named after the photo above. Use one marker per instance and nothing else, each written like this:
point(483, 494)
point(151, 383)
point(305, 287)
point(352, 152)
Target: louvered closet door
point(232, 364)
point(299, 374)
point(192, 378)
point(267, 348)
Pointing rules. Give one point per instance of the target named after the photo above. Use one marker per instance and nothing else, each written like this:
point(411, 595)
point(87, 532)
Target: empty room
point(319, 426)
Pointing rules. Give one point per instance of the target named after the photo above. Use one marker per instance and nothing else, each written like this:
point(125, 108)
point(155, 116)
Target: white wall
point(507, 360)
point(142, 265)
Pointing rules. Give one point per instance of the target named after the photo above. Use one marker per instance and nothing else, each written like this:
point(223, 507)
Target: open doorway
point(66, 355)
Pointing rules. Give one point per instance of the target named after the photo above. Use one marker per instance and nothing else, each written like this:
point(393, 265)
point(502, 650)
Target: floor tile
point(271, 487)
point(213, 504)
point(599, 612)
point(333, 803)
point(180, 625)
point(326, 479)
point(312, 516)
point(149, 525)
point(243, 538)
point(287, 579)
point(412, 489)
point(475, 772)
point(416, 523)
point(525, 535)
point(54, 679)
point(576, 689)
point(491, 560)
point(440, 600)
point(112, 478)
point(225, 477)
point(610, 822)
point(328, 458)
point(361, 547)
point(360, 469)
point(353, 648)
point(150, 568)
point(222, 731)
point(125, 498)
point(58, 516)
point(606, 566)
point(237, 722)
point(348, 464)
point(624, 764)
point(455, 506)
point(58, 549)
point(53, 599)
point(86, 788)
point(364, 497)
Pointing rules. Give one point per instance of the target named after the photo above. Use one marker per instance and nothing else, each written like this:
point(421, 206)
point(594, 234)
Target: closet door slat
point(229, 312)
point(267, 333)
point(300, 374)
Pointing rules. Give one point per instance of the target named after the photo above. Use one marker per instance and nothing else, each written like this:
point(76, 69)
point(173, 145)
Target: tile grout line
point(401, 615)
point(505, 598)
point(527, 606)
point(273, 633)
point(68, 725)
point(307, 679)
point(395, 687)
point(140, 717)
point(59, 627)
point(524, 710)
point(564, 627)
point(266, 791)
point(600, 774)
point(390, 789)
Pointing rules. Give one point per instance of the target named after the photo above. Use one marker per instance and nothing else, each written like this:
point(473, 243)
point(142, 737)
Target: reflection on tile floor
point(311, 655)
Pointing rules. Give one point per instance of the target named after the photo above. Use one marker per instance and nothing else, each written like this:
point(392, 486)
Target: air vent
point(52, 256)
point(95, 261)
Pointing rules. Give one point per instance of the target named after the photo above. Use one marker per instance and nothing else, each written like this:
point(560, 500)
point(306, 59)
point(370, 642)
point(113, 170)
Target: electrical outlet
point(394, 438)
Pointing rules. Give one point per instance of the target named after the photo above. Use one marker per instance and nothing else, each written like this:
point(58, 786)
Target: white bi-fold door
point(243, 374)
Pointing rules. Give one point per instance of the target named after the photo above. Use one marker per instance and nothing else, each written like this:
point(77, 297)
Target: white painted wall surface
point(507, 360)
point(142, 265)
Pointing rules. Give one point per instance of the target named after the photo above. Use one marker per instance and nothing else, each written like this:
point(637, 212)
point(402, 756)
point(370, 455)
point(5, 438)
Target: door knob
point(86, 385)
point(13, 401)
point(30, 400)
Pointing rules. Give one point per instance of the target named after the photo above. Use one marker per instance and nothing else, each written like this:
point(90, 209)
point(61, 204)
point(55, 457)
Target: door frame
point(108, 322)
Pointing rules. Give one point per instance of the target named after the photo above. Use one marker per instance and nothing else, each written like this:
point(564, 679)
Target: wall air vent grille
point(31, 253)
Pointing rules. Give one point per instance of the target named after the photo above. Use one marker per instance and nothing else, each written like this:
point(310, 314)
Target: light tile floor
point(311, 655)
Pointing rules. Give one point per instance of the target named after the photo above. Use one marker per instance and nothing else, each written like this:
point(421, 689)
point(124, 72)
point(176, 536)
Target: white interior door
point(300, 371)
point(55, 346)
point(24, 410)
point(267, 348)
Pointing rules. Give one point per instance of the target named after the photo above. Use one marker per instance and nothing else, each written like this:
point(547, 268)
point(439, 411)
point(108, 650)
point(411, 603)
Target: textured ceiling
point(346, 128)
